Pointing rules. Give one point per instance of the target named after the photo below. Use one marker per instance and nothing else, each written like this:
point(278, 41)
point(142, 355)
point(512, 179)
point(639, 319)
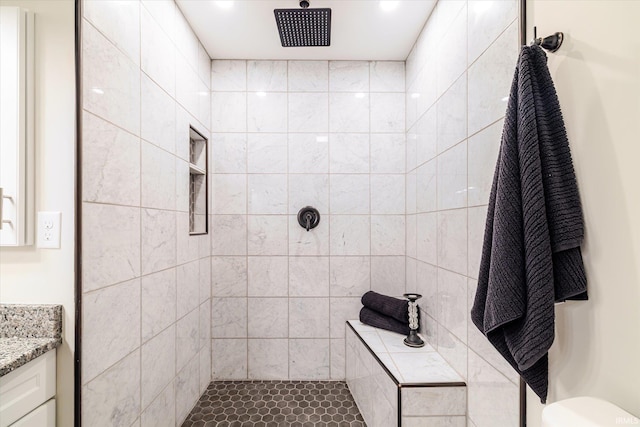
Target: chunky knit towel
point(389, 306)
point(531, 254)
point(373, 318)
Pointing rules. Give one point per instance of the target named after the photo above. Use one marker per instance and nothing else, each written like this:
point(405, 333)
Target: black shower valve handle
point(308, 218)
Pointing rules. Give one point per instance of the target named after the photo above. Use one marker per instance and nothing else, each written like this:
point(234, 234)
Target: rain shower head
point(304, 27)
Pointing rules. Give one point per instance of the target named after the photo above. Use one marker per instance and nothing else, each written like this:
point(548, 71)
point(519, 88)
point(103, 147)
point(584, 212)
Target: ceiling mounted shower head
point(304, 27)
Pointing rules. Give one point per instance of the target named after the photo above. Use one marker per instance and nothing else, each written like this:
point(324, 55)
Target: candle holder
point(413, 339)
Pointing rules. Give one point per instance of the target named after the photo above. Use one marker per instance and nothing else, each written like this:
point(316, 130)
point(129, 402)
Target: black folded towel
point(389, 306)
point(373, 318)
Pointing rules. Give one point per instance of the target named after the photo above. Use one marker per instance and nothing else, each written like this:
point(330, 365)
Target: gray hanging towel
point(531, 254)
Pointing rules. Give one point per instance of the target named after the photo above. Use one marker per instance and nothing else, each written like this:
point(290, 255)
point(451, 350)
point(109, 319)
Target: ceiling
point(360, 29)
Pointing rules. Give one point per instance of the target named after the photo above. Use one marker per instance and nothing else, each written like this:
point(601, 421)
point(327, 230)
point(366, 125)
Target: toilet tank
point(586, 412)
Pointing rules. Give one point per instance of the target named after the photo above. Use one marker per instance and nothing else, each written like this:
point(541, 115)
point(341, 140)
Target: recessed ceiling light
point(224, 4)
point(388, 5)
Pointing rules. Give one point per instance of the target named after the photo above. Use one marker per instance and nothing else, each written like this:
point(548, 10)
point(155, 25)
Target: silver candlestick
point(413, 339)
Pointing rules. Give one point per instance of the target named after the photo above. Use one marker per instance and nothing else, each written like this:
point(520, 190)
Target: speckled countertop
point(27, 332)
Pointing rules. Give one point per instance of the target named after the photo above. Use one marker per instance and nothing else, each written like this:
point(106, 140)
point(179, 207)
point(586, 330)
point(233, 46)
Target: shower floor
point(275, 403)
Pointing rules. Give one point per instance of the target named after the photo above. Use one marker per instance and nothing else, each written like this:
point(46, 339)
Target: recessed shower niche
point(198, 168)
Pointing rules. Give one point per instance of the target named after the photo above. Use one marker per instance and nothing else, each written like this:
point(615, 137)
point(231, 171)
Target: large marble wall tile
point(204, 66)
point(267, 153)
point(113, 398)
point(350, 235)
point(388, 194)
point(487, 19)
point(228, 111)
point(188, 246)
point(476, 221)
point(412, 148)
point(341, 310)
point(308, 318)
point(427, 286)
point(349, 112)
point(349, 153)
point(158, 302)
point(267, 76)
point(309, 359)
point(228, 317)
point(350, 276)
point(452, 289)
point(442, 401)
point(161, 412)
point(460, 421)
point(229, 359)
point(268, 359)
point(309, 276)
point(349, 194)
point(163, 11)
point(184, 121)
point(228, 152)
point(158, 178)
point(268, 276)
point(111, 81)
point(187, 338)
point(308, 153)
point(388, 153)
point(387, 76)
point(118, 21)
point(308, 76)
point(493, 399)
point(157, 53)
point(490, 80)
point(158, 240)
point(426, 187)
point(187, 87)
point(266, 112)
point(451, 51)
point(427, 136)
point(158, 363)
point(452, 178)
point(337, 362)
point(205, 327)
point(267, 194)
point(108, 338)
point(158, 112)
point(308, 112)
point(228, 75)
point(411, 273)
point(229, 193)
point(188, 288)
point(453, 350)
point(111, 245)
point(228, 234)
point(388, 275)
point(182, 186)
point(452, 240)
point(388, 235)
point(309, 243)
point(187, 389)
point(229, 278)
point(267, 235)
point(411, 193)
point(348, 76)
point(411, 236)
point(309, 190)
point(186, 40)
point(268, 317)
point(111, 163)
point(452, 115)
point(483, 154)
point(387, 112)
point(426, 233)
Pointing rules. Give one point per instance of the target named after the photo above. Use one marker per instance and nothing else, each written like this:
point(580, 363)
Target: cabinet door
point(43, 416)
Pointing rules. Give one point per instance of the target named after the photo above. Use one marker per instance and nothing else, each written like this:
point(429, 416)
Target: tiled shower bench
point(396, 385)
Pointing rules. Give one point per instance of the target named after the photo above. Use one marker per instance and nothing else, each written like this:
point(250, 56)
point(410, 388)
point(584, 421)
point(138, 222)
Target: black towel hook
point(550, 43)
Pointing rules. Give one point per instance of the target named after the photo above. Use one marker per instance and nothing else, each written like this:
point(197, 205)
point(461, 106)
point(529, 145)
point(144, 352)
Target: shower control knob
point(308, 217)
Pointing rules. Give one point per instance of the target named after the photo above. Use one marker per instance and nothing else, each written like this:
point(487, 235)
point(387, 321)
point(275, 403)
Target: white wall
point(28, 274)
point(597, 76)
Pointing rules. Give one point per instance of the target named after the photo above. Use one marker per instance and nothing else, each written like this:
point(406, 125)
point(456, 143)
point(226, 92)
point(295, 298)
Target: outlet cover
point(49, 224)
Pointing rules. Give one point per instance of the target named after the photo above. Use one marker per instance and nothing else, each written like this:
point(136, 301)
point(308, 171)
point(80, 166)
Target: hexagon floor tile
point(275, 404)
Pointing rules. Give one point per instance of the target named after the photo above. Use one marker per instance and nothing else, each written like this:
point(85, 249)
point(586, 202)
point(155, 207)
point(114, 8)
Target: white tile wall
point(146, 282)
point(288, 134)
point(458, 76)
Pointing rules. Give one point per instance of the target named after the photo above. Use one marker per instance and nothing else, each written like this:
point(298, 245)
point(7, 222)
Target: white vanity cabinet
point(27, 395)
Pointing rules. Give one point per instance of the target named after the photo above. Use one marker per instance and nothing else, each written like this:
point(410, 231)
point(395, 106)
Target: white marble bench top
point(408, 365)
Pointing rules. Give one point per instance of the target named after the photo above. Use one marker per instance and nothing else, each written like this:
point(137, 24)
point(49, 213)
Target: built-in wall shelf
point(198, 183)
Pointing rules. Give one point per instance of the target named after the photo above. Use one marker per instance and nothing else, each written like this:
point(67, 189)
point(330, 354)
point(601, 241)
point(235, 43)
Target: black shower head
point(304, 27)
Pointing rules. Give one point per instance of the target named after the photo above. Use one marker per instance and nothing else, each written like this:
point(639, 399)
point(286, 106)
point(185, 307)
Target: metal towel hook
point(551, 43)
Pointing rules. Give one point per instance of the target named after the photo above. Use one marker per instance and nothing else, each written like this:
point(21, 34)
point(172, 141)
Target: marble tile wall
point(146, 312)
point(287, 134)
point(458, 77)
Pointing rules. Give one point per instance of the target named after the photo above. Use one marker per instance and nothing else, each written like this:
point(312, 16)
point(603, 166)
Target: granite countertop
point(27, 332)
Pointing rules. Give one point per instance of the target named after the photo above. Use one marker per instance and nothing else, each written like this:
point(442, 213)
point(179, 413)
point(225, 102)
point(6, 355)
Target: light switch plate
point(49, 224)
